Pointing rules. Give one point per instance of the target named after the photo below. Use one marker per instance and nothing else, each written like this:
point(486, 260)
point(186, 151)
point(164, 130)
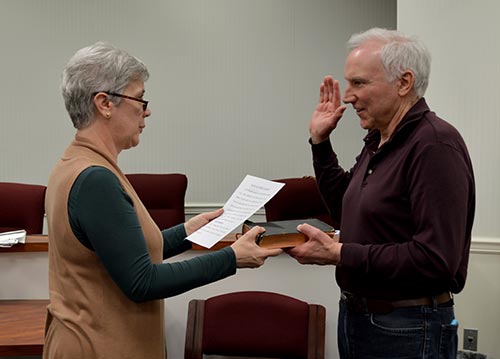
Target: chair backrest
point(298, 199)
point(163, 196)
point(254, 324)
point(22, 207)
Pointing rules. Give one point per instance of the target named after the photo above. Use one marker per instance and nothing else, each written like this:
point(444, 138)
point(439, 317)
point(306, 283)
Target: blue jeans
point(422, 332)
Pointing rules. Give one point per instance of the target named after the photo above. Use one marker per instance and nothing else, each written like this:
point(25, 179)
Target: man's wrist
point(314, 140)
point(317, 141)
point(337, 250)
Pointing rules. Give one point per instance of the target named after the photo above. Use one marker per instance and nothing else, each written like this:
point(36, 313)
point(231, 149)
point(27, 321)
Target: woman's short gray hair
point(399, 54)
point(98, 67)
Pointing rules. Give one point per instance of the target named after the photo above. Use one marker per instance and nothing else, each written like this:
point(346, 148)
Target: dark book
point(283, 234)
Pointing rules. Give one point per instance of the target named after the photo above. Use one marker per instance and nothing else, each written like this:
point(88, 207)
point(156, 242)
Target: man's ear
point(406, 83)
point(102, 104)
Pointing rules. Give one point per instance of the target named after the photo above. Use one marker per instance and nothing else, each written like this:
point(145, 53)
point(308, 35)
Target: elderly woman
point(106, 275)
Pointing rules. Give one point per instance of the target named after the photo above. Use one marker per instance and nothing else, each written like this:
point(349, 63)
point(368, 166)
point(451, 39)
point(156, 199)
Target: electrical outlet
point(470, 339)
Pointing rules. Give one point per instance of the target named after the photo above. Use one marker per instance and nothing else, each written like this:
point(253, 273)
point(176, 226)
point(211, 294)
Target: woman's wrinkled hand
point(248, 253)
point(200, 220)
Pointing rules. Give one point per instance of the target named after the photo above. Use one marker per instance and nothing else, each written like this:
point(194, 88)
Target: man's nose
point(348, 95)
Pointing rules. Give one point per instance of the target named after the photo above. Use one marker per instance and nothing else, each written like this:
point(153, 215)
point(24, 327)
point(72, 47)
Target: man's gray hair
point(399, 54)
point(95, 68)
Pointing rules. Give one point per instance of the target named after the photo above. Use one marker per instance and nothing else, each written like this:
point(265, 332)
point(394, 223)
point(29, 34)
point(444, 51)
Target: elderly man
point(406, 207)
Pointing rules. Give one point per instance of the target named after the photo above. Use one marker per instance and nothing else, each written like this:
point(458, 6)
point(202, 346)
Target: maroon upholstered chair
point(298, 199)
point(255, 324)
point(163, 196)
point(22, 207)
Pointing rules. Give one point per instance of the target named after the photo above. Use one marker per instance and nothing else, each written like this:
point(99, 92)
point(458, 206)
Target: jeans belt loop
point(434, 303)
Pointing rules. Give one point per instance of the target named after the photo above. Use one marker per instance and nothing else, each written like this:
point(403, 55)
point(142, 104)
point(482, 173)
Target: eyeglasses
point(144, 102)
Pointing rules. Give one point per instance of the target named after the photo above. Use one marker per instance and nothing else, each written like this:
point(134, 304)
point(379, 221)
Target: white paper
point(8, 239)
point(250, 196)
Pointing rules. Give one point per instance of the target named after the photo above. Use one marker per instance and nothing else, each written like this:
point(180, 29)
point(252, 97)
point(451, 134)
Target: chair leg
point(194, 330)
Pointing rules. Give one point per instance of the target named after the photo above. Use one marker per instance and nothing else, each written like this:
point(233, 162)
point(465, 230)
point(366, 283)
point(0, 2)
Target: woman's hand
point(200, 220)
point(248, 253)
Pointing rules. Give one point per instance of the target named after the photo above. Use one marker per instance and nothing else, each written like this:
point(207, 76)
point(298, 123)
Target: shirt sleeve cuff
point(350, 255)
point(177, 231)
point(231, 256)
point(323, 151)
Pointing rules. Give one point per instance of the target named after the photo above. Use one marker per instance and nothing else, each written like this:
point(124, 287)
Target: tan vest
point(88, 315)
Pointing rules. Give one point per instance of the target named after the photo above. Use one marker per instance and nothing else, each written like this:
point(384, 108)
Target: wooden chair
point(22, 207)
point(163, 196)
point(298, 199)
point(254, 324)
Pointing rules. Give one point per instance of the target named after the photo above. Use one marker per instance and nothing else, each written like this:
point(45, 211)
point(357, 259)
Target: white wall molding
point(192, 209)
point(485, 245)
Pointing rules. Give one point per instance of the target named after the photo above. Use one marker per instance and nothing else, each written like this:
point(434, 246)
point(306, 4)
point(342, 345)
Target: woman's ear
point(406, 83)
point(102, 104)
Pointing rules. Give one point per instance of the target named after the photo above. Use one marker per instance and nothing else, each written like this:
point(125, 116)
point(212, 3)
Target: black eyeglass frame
point(144, 102)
